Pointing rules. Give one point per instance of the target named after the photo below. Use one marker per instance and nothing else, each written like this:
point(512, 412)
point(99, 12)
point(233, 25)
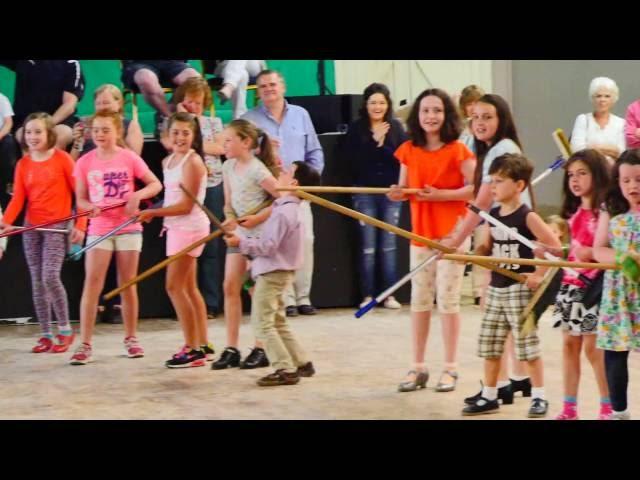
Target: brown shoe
point(279, 377)
point(306, 370)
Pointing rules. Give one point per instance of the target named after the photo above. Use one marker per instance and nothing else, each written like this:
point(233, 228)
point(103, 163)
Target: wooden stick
point(527, 321)
point(562, 143)
point(212, 218)
point(403, 233)
point(159, 266)
point(533, 261)
point(379, 190)
point(59, 220)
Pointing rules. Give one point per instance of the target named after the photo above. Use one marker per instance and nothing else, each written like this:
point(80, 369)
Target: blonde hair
point(469, 94)
point(562, 225)
point(114, 91)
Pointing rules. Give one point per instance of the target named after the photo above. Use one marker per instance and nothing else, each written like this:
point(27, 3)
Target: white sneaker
point(392, 303)
point(620, 415)
point(366, 301)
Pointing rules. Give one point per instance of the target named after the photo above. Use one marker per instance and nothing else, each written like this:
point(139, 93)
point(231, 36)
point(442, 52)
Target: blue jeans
point(377, 245)
point(211, 262)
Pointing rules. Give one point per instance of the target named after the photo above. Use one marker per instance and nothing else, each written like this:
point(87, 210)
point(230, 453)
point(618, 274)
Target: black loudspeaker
point(330, 113)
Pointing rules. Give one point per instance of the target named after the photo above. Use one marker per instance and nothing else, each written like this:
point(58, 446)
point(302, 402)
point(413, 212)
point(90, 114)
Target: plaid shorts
point(503, 309)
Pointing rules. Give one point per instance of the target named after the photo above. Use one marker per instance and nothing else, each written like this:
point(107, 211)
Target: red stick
point(70, 217)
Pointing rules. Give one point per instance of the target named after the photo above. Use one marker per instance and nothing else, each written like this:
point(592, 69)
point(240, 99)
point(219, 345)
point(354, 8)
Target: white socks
point(490, 393)
point(537, 392)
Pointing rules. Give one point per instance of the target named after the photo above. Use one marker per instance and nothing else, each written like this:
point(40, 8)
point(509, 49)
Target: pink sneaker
point(82, 355)
point(134, 349)
point(568, 414)
point(606, 412)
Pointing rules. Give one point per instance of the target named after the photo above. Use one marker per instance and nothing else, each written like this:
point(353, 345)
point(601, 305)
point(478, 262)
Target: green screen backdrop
point(300, 75)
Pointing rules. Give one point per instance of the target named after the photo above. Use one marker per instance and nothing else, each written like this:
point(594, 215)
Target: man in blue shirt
point(292, 133)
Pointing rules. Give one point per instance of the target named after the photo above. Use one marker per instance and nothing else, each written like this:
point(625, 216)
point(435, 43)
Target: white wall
point(407, 78)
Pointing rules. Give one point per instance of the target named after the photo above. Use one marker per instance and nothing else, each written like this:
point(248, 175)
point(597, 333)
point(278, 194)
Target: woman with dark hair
point(435, 161)
point(369, 144)
point(495, 134)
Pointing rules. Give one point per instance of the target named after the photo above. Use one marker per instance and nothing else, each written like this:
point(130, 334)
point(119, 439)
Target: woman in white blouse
point(601, 130)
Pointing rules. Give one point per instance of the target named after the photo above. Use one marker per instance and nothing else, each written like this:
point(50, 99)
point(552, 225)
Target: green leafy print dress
point(619, 323)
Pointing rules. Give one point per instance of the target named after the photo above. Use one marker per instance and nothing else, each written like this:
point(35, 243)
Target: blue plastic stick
point(394, 287)
point(77, 254)
point(558, 163)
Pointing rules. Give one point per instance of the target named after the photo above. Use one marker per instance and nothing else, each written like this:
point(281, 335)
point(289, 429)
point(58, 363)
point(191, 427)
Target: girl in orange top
point(43, 179)
point(435, 161)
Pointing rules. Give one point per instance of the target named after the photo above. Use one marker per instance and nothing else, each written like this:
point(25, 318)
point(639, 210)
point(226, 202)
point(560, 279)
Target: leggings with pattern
point(45, 252)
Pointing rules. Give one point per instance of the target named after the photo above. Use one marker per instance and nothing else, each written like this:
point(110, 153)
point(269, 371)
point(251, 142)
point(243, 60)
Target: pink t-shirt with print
point(582, 226)
point(108, 182)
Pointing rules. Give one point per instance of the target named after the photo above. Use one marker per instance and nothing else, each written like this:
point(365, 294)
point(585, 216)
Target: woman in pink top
point(185, 223)
point(105, 176)
point(632, 125)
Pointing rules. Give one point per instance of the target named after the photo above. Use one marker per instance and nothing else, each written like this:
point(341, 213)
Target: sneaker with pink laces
point(133, 348)
point(184, 349)
point(568, 414)
point(606, 412)
point(82, 355)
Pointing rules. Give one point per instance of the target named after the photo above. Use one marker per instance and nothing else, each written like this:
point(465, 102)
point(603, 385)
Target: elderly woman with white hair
point(600, 130)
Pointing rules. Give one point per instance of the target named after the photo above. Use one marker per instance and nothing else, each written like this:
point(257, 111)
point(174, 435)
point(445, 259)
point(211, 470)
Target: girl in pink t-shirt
point(185, 223)
point(586, 182)
point(106, 176)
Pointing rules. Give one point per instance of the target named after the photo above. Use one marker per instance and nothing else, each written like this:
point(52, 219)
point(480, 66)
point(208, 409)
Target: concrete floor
point(359, 364)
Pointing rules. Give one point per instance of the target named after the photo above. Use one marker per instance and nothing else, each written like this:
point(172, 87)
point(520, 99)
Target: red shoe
point(44, 345)
point(64, 342)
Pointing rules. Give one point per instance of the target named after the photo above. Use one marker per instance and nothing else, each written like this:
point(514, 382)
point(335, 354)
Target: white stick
point(558, 163)
point(517, 236)
point(54, 230)
point(395, 286)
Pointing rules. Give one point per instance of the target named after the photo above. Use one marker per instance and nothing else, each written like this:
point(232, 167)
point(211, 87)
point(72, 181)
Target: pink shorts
point(179, 239)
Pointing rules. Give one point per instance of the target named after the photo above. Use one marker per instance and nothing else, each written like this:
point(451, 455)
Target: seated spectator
point(600, 130)
point(370, 145)
point(235, 75)
point(107, 98)
point(8, 153)
point(51, 86)
point(149, 76)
